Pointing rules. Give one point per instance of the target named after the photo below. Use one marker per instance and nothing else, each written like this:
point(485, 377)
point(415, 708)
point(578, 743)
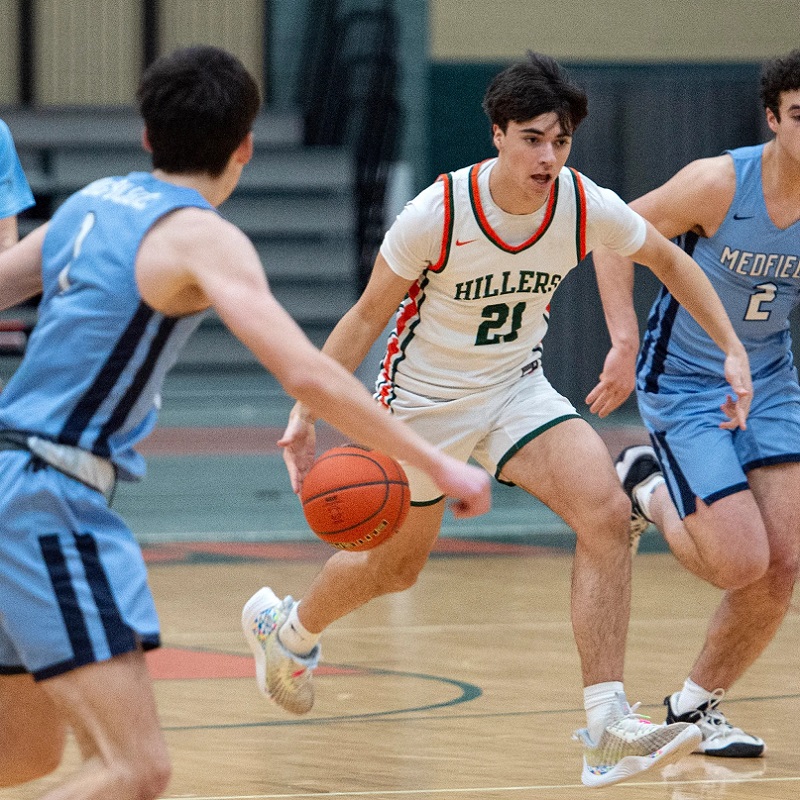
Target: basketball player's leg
point(748, 617)
point(746, 542)
point(110, 707)
point(568, 468)
point(542, 445)
point(724, 543)
point(284, 634)
point(32, 733)
point(746, 620)
point(349, 580)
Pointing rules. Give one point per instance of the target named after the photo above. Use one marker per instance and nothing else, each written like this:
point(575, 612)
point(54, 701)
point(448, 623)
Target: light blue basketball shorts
point(73, 583)
point(700, 459)
point(490, 426)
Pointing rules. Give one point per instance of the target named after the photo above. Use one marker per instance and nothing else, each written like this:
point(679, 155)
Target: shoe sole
point(734, 750)
point(625, 459)
point(630, 766)
point(257, 601)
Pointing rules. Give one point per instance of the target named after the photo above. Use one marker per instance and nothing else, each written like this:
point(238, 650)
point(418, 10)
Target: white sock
point(690, 697)
point(644, 493)
point(295, 637)
point(599, 701)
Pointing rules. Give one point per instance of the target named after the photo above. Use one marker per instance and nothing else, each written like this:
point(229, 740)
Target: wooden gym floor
point(466, 687)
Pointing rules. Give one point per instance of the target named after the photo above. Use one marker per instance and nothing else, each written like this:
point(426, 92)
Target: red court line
point(174, 663)
point(276, 551)
point(186, 552)
point(194, 441)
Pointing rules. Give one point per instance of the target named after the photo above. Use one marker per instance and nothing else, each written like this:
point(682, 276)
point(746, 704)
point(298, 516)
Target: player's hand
point(299, 443)
point(617, 381)
point(737, 373)
point(469, 488)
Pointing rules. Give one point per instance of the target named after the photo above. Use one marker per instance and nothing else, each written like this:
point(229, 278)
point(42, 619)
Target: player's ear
point(146, 141)
point(244, 152)
point(772, 120)
point(497, 135)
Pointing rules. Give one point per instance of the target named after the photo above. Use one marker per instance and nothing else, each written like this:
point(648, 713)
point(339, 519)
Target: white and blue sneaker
point(281, 675)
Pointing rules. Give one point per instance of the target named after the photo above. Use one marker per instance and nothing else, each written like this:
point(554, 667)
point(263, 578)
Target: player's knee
point(147, 778)
point(604, 518)
point(397, 576)
point(612, 515)
point(22, 771)
point(733, 573)
point(781, 578)
point(156, 778)
point(29, 763)
point(403, 578)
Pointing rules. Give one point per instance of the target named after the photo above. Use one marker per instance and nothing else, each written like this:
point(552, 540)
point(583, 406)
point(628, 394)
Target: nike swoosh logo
point(739, 216)
point(460, 243)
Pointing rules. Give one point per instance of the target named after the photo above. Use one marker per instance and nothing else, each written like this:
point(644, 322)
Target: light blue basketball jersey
point(15, 194)
point(96, 360)
point(754, 267)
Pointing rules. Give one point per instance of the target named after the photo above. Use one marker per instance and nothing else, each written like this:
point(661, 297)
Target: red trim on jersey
point(447, 231)
point(581, 209)
point(483, 222)
point(408, 312)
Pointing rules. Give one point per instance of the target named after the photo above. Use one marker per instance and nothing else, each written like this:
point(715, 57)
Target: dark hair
point(777, 76)
point(536, 86)
point(198, 104)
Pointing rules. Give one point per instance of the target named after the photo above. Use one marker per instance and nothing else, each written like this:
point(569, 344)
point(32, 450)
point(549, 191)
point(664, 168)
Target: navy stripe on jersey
point(656, 344)
point(120, 357)
point(119, 635)
point(662, 319)
point(83, 652)
point(143, 374)
point(677, 482)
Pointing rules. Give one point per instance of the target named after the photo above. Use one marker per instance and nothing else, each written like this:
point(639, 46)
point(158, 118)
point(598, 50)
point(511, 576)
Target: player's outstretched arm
point(195, 259)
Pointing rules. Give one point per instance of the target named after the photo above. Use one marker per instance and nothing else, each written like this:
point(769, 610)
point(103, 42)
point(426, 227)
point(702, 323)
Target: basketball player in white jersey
point(472, 263)
point(730, 505)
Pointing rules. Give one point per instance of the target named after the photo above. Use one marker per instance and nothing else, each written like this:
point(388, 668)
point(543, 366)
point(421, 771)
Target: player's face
point(787, 130)
point(532, 153)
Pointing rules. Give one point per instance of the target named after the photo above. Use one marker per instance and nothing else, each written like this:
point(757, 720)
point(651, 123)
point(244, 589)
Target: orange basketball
point(355, 498)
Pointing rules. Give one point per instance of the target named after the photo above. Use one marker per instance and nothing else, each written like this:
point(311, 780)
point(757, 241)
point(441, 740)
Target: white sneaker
point(281, 675)
point(720, 738)
point(630, 745)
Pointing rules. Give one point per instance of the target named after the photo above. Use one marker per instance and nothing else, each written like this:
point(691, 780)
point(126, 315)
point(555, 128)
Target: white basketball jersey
point(479, 308)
